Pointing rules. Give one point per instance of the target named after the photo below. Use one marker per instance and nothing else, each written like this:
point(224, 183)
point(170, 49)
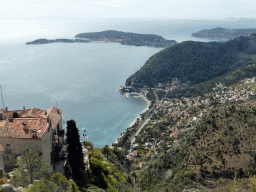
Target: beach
point(135, 120)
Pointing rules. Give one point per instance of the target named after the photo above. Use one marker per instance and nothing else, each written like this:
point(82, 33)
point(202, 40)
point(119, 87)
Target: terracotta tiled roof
point(9, 114)
point(55, 115)
point(33, 112)
point(15, 129)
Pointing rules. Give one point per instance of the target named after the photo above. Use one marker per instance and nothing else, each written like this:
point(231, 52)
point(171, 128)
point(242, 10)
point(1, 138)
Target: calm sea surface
point(83, 79)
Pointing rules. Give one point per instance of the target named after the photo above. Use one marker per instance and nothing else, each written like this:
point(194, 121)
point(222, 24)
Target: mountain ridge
point(194, 62)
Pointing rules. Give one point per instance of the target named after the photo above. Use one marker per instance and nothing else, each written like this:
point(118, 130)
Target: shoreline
point(148, 103)
point(135, 120)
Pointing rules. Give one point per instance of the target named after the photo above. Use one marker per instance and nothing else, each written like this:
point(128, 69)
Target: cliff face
point(222, 33)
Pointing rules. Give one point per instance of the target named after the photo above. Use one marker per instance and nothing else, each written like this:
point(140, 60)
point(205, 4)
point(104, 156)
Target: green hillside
point(195, 62)
point(221, 147)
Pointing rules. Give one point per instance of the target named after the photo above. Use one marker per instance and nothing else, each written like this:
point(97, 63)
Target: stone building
point(40, 130)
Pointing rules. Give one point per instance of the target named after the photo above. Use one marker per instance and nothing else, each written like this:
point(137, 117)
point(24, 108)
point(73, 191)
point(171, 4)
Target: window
point(8, 148)
point(4, 158)
point(7, 158)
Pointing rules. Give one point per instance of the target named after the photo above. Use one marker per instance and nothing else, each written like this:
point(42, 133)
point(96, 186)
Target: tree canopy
point(75, 155)
point(30, 167)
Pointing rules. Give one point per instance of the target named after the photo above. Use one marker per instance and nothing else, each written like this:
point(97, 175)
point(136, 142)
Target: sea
point(83, 79)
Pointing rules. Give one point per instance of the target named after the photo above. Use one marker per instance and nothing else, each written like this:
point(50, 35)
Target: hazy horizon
point(162, 9)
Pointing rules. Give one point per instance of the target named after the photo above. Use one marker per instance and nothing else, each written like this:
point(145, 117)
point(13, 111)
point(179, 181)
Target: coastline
point(135, 120)
point(148, 103)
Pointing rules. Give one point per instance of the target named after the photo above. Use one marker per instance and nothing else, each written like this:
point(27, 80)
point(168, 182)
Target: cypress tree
point(75, 155)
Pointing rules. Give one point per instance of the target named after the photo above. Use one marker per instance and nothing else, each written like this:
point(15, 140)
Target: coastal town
point(162, 126)
point(171, 120)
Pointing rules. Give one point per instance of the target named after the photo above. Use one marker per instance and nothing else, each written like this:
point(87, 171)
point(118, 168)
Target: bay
point(83, 79)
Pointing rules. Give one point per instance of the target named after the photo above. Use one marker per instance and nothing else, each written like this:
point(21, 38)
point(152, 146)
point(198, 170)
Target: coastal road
point(139, 128)
point(142, 124)
point(137, 132)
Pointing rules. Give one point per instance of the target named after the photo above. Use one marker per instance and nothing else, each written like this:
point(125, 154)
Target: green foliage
point(56, 183)
point(87, 144)
point(30, 167)
point(39, 186)
point(61, 181)
point(75, 155)
point(199, 65)
point(105, 150)
point(151, 96)
point(98, 173)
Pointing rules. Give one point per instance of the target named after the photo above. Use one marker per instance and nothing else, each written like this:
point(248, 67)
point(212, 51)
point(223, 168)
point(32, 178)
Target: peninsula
point(45, 41)
point(220, 33)
point(128, 38)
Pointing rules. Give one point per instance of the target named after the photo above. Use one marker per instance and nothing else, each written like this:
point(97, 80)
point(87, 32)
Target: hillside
point(195, 62)
point(221, 146)
point(222, 33)
point(128, 38)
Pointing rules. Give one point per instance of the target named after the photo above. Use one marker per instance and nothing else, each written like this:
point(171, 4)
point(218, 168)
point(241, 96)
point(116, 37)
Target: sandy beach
point(135, 120)
point(148, 102)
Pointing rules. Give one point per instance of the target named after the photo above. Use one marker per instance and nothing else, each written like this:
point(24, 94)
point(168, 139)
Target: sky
point(162, 9)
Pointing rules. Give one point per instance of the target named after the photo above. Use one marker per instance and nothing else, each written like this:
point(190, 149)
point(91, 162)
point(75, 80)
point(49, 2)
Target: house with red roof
point(135, 152)
point(147, 155)
point(40, 130)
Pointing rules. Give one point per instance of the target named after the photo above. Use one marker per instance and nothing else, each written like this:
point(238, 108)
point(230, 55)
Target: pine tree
point(30, 167)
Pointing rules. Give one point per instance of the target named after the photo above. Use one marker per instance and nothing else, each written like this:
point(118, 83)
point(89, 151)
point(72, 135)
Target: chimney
point(6, 109)
point(34, 133)
point(24, 108)
point(25, 126)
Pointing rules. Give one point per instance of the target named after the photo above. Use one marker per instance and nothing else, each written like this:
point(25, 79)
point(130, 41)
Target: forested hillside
point(196, 62)
point(222, 146)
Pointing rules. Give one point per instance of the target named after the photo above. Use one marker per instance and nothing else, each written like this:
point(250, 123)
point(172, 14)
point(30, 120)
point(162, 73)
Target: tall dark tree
point(75, 155)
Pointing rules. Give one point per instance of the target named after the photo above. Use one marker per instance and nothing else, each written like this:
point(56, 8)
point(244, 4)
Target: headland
point(127, 38)
point(46, 41)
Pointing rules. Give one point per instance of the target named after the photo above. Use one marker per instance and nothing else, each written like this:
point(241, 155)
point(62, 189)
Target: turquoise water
point(83, 79)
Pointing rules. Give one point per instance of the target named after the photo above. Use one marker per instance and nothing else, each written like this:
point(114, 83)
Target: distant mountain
point(222, 33)
point(45, 41)
point(128, 38)
point(196, 62)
